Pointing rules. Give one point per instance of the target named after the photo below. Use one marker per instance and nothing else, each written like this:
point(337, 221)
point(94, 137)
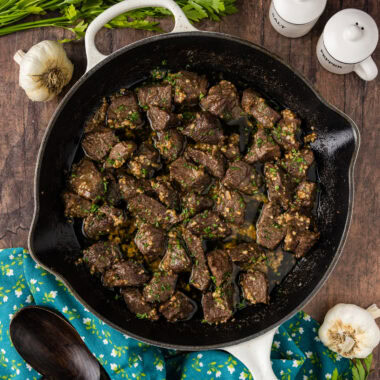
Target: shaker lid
point(299, 11)
point(350, 36)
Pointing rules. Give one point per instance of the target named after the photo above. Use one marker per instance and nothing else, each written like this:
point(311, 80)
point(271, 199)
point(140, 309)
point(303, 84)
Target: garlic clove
point(350, 330)
point(44, 70)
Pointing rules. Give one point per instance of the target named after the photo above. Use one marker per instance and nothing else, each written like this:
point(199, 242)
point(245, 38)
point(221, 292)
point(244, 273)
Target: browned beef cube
point(112, 196)
point(175, 259)
point(170, 144)
point(86, 181)
point(165, 192)
point(98, 144)
point(125, 273)
point(120, 153)
point(223, 100)
point(129, 186)
point(204, 128)
point(75, 206)
point(255, 287)
point(208, 156)
point(263, 148)
point(208, 225)
point(98, 120)
point(230, 204)
point(305, 195)
point(243, 177)
point(278, 184)
point(190, 177)
point(161, 287)
point(231, 149)
point(101, 256)
point(286, 130)
point(124, 111)
point(256, 106)
point(136, 304)
point(152, 212)
point(161, 119)
point(218, 306)
point(297, 162)
point(269, 230)
point(188, 87)
point(246, 253)
point(200, 275)
point(145, 162)
point(193, 203)
point(150, 241)
point(158, 95)
point(178, 308)
point(103, 221)
point(220, 266)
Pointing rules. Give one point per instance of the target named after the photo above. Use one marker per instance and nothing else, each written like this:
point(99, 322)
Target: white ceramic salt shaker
point(347, 42)
point(295, 18)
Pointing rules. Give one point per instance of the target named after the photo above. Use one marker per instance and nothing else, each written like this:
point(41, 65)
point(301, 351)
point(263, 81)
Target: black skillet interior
point(53, 242)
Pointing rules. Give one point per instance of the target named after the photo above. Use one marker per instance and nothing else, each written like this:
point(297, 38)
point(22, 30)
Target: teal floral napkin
point(297, 352)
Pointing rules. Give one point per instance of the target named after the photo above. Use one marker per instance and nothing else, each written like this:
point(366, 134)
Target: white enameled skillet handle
point(255, 355)
point(367, 69)
point(182, 24)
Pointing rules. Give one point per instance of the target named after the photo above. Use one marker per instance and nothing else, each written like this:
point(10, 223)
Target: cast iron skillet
point(53, 242)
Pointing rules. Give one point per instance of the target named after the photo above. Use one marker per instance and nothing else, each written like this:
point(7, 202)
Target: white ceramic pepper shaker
point(347, 42)
point(295, 18)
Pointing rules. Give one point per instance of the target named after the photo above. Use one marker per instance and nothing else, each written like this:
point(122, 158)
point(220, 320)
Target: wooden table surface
point(356, 278)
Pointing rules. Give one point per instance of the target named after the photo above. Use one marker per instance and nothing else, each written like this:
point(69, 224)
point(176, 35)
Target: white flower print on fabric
point(300, 330)
point(5, 299)
point(160, 367)
point(9, 272)
point(86, 321)
point(295, 363)
point(308, 354)
point(243, 376)
point(218, 374)
point(113, 366)
point(307, 318)
point(328, 376)
point(231, 369)
point(199, 356)
point(289, 352)
point(29, 299)
point(276, 344)
point(113, 353)
point(105, 341)
point(18, 293)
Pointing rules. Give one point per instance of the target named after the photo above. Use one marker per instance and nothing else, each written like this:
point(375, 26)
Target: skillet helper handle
point(182, 24)
point(255, 355)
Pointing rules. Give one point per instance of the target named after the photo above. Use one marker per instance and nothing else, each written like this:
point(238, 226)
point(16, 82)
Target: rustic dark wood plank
point(356, 278)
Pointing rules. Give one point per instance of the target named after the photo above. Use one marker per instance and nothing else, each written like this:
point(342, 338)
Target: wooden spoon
point(51, 345)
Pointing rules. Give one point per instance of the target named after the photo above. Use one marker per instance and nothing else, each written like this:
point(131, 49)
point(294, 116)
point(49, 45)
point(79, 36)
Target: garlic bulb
point(44, 70)
point(350, 330)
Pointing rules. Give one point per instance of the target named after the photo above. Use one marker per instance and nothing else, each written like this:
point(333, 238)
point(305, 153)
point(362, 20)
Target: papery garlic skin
point(44, 70)
point(350, 330)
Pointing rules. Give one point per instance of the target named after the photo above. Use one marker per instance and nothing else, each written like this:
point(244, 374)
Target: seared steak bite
point(102, 222)
point(170, 144)
point(130, 187)
point(178, 308)
point(124, 111)
point(230, 204)
point(278, 184)
point(160, 119)
point(161, 287)
point(255, 287)
point(125, 273)
point(98, 144)
point(223, 100)
point(285, 133)
point(158, 95)
point(204, 128)
point(188, 176)
point(305, 196)
point(231, 148)
point(100, 256)
point(208, 225)
point(220, 266)
point(146, 161)
point(193, 203)
point(98, 120)
point(255, 105)
point(246, 253)
point(175, 259)
point(296, 163)
point(152, 212)
point(85, 180)
point(150, 241)
point(208, 156)
point(263, 148)
point(75, 206)
point(120, 153)
point(112, 196)
point(270, 231)
point(136, 304)
point(165, 192)
point(200, 275)
point(218, 305)
point(243, 177)
point(188, 87)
